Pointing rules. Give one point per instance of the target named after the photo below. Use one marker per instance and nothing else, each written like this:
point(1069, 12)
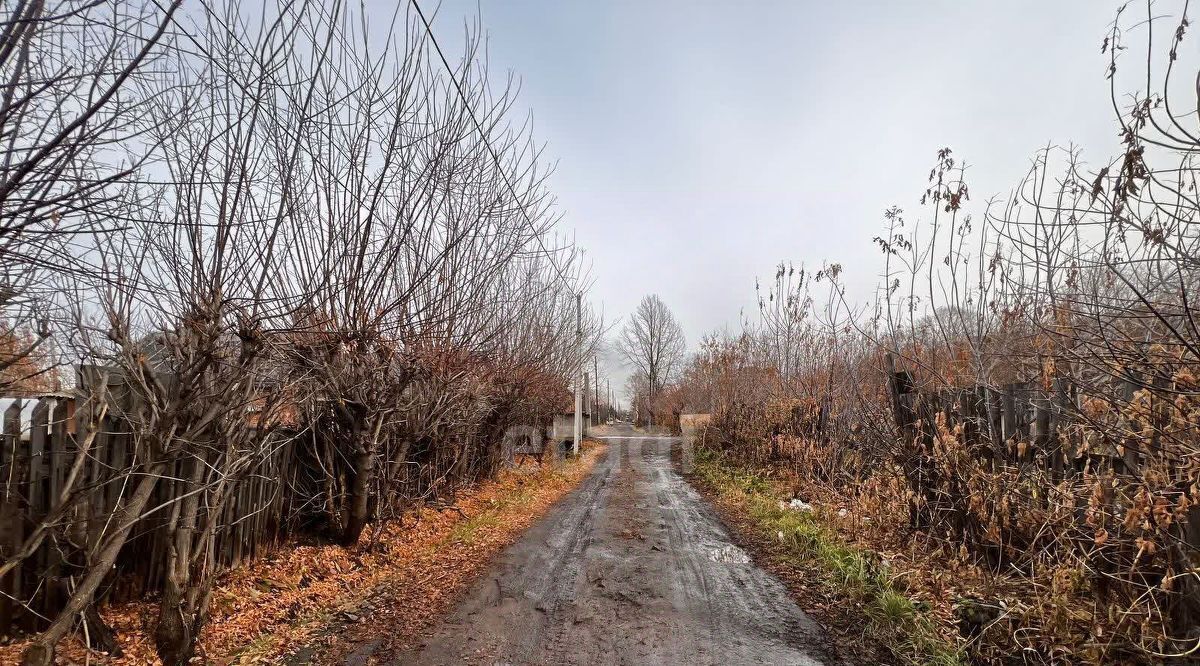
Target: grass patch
point(468, 530)
point(846, 571)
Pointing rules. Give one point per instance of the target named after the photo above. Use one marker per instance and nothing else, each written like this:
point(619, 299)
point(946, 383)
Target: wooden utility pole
point(578, 433)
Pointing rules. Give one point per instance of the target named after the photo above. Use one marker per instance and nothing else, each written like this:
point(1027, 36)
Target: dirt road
point(632, 568)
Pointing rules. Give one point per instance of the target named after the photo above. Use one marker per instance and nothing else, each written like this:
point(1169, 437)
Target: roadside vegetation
point(849, 574)
point(289, 274)
point(1002, 447)
point(324, 599)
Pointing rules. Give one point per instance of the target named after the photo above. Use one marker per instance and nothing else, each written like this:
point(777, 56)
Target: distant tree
point(653, 343)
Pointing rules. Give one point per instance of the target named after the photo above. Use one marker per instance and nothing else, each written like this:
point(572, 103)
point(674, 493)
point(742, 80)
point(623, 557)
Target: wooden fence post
point(1008, 415)
point(1041, 429)
point(1130, 438)
point(1058, 419)
point(12, 530)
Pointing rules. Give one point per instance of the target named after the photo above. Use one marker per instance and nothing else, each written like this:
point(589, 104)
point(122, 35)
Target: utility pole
point(596, 390)
point(578, 434)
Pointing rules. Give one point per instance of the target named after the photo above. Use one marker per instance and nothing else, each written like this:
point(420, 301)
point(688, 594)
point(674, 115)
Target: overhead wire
point(491, 150)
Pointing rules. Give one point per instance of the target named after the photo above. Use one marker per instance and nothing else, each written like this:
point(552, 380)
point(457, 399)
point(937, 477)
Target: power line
point(491, 151)
point(577, 435)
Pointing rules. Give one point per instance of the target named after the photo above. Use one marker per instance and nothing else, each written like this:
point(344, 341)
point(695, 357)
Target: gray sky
point(700, 143)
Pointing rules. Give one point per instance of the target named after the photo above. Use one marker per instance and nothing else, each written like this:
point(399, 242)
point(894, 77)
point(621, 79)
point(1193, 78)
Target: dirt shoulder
point(425, 582)
point(841, 620)
point(844, 590)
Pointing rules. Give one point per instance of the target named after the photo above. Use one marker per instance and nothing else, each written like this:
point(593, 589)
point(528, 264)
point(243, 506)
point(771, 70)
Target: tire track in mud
point(631, 568)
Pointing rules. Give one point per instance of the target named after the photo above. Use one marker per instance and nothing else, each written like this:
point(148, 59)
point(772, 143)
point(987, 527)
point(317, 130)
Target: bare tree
point(652, 341)
point(421, 237)
point(71, 113)
point(318, 226)
point(178, 305)
point(1041, 360)
point(67, 117)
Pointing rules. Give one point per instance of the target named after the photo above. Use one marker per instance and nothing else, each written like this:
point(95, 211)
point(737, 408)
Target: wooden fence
point(41, 441)
point(1020, 423)
point(1049, 436)
point(1031, 428)
point(38, 447)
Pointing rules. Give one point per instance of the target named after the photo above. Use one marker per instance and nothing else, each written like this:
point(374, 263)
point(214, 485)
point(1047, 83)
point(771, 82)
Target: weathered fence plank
point(38, 448)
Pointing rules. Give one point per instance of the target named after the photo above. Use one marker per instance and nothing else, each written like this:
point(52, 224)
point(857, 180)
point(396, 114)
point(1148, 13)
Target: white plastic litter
point(797, 505)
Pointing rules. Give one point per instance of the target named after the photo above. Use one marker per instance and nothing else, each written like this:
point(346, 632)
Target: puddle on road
point(728, 554)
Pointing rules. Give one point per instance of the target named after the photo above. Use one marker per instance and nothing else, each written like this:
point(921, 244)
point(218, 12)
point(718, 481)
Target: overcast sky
point(700, 143)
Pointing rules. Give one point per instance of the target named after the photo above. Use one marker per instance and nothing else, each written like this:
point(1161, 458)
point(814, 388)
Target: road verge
point(847, 588)
point(325, 599)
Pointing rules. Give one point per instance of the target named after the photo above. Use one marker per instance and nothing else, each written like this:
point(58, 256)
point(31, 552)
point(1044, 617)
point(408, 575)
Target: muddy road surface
point(632, 568)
